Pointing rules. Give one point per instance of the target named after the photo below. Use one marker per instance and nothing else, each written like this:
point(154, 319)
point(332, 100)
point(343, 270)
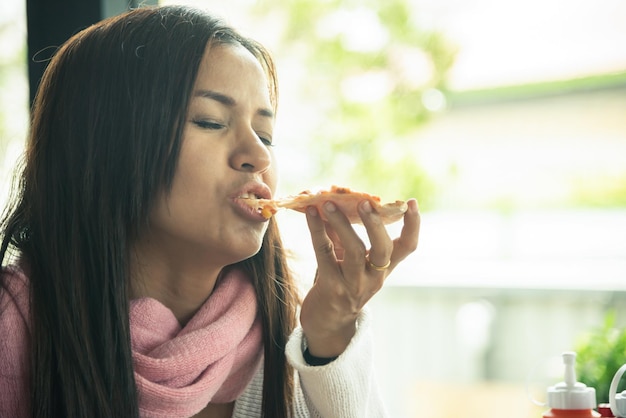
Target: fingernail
point(312, 210)
point(366, 206)
point(330, 207)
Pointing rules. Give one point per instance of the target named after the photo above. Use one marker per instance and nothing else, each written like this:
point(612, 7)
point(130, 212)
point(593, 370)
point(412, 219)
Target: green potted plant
point(600, 353)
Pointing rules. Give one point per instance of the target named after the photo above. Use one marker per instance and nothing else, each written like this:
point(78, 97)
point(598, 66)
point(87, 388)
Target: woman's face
point(225, 156)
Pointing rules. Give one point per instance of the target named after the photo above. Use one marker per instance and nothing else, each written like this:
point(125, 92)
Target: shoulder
point(14, 314)
point(15, 341)
point(14, 295)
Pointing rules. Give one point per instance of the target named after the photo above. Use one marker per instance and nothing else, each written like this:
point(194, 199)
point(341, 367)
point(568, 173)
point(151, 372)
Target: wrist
point(312, 360)
point(329, 344)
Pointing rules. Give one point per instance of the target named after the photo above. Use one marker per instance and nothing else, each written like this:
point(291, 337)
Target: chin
point(245, 246)
point(256, 251)
point(244, 255)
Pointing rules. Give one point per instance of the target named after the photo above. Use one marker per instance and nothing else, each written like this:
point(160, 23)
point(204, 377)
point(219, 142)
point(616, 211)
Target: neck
point(180, 283)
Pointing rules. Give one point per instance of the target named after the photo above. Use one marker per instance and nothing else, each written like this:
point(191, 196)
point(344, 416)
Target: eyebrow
point(229, 101)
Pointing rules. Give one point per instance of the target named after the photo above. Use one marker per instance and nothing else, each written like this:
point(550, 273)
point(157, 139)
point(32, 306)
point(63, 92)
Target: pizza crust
point(346, 200)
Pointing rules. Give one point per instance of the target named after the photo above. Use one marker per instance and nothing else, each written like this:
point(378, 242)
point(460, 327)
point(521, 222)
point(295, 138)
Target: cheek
point(192, 187)
point(270, 177)
point(187, 184)
point(196, 168)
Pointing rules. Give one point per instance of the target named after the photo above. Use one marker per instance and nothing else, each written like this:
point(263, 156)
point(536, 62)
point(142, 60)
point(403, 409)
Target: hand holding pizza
point(349, 274)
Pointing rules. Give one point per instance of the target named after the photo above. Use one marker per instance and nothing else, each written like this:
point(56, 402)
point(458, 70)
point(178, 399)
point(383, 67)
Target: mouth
point(256, 197)
point(251, 196)
point(255, 191)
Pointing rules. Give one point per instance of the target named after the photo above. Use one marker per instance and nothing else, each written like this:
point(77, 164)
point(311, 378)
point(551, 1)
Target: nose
point(251, 154)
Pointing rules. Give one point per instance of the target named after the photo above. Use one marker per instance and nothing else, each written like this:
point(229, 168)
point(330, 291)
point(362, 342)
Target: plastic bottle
point(571, 399)
point(617, 401)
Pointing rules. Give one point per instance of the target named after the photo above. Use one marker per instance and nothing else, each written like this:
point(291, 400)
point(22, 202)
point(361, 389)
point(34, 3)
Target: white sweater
point(344, 388)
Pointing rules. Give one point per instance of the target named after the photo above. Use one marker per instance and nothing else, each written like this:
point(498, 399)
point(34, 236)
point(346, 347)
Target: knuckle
point(360, 251)
point(327, 248)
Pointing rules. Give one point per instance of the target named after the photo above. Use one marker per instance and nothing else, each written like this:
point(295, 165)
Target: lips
point(248, 194)
point(253, 190)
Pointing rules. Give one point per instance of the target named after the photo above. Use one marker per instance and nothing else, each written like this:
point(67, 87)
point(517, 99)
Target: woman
point(136, 282)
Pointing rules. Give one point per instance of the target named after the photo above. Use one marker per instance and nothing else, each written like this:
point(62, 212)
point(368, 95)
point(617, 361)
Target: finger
point(353, 246)
point(381, 246)
point(407, 242)
point(322, 244)
point(337, 246)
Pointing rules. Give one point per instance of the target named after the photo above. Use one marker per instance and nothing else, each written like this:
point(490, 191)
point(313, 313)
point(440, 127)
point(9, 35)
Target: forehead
point(232, 67)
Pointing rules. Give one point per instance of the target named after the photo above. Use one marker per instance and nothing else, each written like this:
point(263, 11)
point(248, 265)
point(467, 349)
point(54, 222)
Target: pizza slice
point(346, 200)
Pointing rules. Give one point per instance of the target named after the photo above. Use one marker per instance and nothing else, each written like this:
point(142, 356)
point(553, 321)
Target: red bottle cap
point(605, 410)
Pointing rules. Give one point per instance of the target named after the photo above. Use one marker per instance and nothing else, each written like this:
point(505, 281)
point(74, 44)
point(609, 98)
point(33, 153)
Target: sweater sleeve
point(346, 387)
point(14, 345)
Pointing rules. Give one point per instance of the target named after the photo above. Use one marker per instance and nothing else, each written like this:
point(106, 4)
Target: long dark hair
point(106, 132)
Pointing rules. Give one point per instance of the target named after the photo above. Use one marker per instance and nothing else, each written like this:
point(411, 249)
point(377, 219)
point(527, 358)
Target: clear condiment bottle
point(571, 399)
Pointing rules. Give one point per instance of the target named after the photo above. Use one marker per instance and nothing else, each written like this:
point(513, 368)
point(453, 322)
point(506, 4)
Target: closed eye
point(208, 124)
point(266, 140)
point(215, 126)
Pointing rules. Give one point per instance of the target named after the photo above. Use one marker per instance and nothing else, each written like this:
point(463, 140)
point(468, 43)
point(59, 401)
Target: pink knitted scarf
point(180, 370)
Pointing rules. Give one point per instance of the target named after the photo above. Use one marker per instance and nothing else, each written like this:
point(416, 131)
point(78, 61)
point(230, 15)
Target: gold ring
point(378, 268)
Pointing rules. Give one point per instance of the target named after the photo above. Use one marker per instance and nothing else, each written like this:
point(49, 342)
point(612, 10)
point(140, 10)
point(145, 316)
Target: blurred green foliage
point(600, 353)
point(366, 143)
point(600, 192)
point(10, 66)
